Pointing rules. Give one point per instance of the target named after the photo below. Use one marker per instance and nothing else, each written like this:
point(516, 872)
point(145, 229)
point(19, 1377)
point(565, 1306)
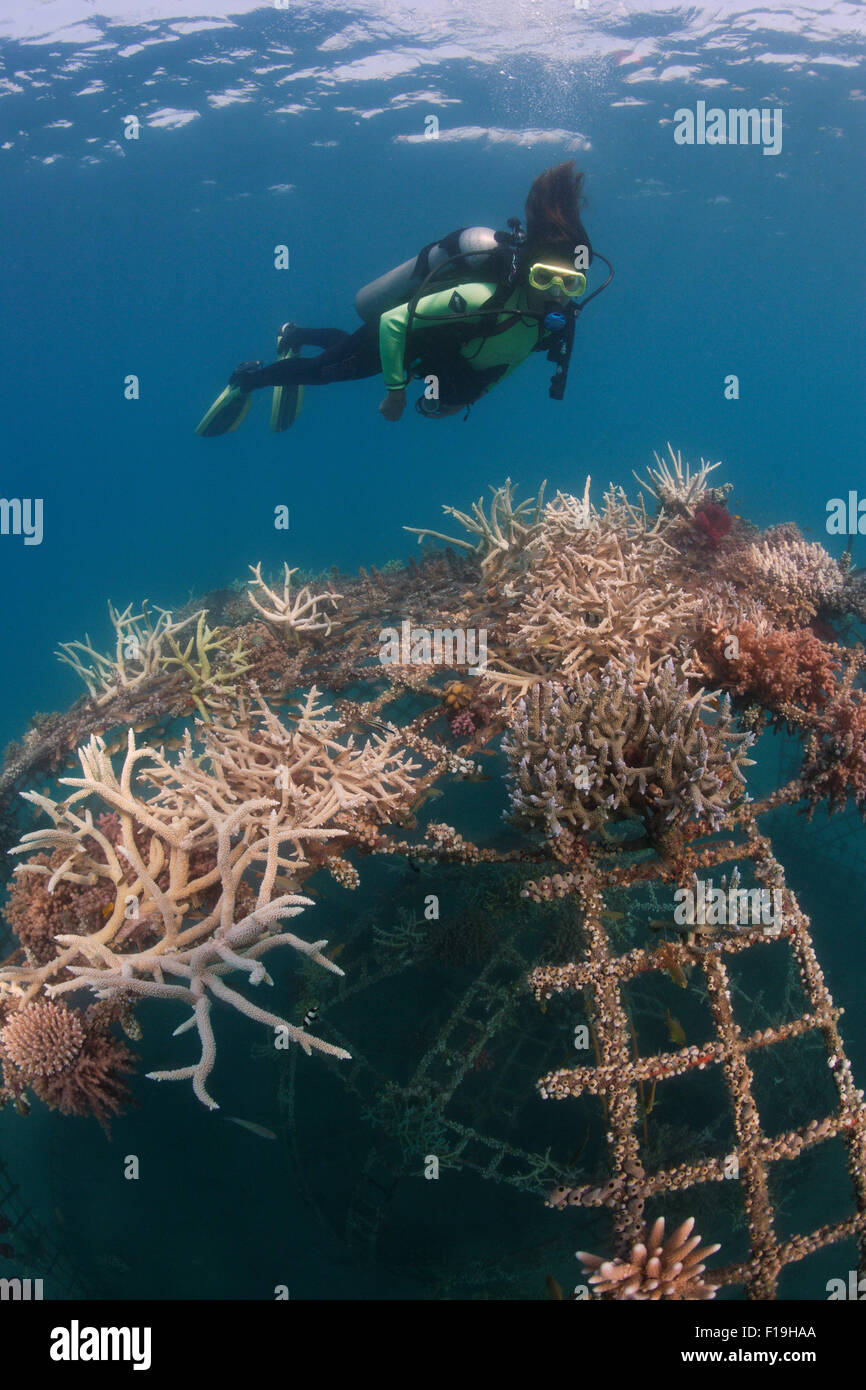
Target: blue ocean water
point(307, 126)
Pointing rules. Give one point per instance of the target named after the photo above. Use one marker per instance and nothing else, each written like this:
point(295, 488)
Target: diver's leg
point(356, 355)
point(294, 337)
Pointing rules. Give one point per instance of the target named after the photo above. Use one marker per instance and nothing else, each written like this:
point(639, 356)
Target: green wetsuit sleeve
point(394, 324)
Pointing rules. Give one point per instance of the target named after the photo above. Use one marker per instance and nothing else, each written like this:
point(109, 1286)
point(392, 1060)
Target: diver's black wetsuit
point(353, 356)
point(345, 357)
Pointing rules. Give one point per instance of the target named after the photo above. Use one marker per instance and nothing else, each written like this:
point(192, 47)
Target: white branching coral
point(508, 529)
point(676, 487)
point(303, 612)
point(204, 856)
point(591, 592)
point(138, 655)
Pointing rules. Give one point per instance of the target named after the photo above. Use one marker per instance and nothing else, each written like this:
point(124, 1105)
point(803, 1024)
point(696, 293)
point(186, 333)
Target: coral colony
point(634, 652)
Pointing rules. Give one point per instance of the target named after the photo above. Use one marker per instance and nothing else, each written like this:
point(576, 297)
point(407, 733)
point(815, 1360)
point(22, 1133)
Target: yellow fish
point(676, 1032)
point(429, 794)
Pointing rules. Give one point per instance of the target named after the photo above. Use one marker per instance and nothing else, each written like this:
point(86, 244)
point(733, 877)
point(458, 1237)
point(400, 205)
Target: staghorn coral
point(305, 612)
point(203, 858)
point(656, 1268)
point(604, 589)
point(138, 656)
point(212, 670)
point(190, 837)
point(605, 749)
point(502, 535)
point(677, 489)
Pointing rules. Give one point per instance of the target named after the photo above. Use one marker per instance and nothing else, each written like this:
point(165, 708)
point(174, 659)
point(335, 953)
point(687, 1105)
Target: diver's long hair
point(554, 226)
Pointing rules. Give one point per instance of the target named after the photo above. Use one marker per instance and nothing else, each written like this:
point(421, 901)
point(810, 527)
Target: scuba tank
point(478, 253)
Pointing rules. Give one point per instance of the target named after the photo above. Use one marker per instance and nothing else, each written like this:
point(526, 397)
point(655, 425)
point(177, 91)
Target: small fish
point(252, 1127)
point(613, 916)
point(335, 950)
point(676, 1032)
point(429, 794)
point(412, 865)
point(172, 744)
point(107, 910)
point(474, 777)
point(554, 1289)
point(310, 1016)
point(677, 974)
point(669, 962)
point(648, 1108)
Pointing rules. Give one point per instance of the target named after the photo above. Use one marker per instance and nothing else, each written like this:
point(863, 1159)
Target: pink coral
point(463, 724)
point(42, 1039)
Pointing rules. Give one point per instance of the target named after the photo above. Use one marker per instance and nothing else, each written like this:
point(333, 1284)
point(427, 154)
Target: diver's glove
point(393, 405)
point(243, 376)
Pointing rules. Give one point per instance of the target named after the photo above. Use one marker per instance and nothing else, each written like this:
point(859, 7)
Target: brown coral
point(604, 749)
point(835, 764)
point(37, 912)
point(776, 666)
point(67, 1058)
point(660, 1268)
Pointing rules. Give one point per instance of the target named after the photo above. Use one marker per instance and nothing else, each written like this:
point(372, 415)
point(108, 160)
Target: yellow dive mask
point(572, 283)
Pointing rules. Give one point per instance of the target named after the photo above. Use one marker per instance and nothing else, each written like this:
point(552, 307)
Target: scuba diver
point(461, 315)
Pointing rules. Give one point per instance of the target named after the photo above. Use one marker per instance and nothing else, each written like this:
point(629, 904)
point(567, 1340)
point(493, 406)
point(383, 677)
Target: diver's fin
point(227, 412)
point(287, 400)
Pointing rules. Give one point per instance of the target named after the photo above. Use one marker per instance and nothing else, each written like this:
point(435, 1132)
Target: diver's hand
point(242, 376)
point(393, 405)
